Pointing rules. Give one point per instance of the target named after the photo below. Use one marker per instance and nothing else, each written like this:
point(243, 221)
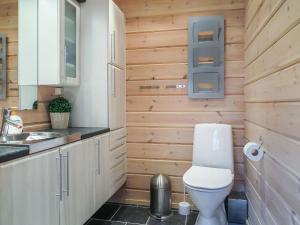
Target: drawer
point(117, 155)
point(118, 173)
point(117, 138)
point(118, 183)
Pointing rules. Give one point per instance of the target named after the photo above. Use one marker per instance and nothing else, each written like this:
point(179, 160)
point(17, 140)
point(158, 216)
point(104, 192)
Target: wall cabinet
point(116, 50)
point(29, 190)
point(117, 100)
point(102, 69)
point(58, 42)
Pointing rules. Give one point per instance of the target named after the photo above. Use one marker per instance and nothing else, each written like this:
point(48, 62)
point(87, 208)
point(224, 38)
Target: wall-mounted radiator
point(206, 57)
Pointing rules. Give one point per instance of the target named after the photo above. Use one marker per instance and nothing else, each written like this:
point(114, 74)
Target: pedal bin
point(160, 197)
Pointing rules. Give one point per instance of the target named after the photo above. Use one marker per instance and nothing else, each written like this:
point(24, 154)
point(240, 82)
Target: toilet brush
point(184, 207)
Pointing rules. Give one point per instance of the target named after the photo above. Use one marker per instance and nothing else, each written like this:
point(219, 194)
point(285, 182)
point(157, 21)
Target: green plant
point(35, 105)
point(59, 105)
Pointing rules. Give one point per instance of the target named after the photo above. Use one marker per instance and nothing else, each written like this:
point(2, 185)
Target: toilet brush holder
point(184, 208)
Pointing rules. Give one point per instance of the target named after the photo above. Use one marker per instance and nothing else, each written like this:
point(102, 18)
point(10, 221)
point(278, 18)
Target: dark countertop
point(86, 132)
point(8, 153)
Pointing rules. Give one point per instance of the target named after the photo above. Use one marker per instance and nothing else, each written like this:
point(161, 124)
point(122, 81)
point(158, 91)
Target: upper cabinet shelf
point(58, 42)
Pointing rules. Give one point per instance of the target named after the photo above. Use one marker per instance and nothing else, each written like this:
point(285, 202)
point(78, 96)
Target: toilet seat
point(198, 177)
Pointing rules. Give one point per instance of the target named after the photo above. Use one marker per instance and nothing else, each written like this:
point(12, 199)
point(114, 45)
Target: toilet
point(210, 179)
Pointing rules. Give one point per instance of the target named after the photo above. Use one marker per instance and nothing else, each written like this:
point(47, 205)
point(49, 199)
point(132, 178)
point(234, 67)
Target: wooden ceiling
point(141, 8)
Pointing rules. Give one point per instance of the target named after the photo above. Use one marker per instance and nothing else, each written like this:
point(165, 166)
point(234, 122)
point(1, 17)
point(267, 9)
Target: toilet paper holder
point(261, 142)
point(254, 151)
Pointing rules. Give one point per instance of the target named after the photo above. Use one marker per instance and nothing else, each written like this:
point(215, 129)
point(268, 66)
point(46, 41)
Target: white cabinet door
point(70, 68)
point(58, 42)
point(116, 53)
point(78, 182)
point(117, 98)
point(101, 185)
point(29, 189)
point(119, 38)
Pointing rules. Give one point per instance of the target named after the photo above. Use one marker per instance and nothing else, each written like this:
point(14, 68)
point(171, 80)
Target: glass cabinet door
point(71, 42)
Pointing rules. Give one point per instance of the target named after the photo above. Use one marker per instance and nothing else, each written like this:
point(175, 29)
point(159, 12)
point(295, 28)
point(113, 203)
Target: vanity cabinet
point(117, 159)
point(58, 42)
point(78, 167)
point(29, 190)
point(63, 186)
point(102, 187)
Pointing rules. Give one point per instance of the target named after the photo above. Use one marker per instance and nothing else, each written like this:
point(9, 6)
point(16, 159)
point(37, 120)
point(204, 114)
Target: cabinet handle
point(115, 90)
point(99, 156)
point(114, 46)
point(111, 47)
point(59, 168)
point(68, 174)
point(113, 77)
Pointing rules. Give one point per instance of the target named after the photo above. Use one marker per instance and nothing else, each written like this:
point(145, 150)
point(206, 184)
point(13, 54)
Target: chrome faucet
point(6, 121)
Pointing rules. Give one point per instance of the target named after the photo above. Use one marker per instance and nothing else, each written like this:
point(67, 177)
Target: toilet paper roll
point(253, 151)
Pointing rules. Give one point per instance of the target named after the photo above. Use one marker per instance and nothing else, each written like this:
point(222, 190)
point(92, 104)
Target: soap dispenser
point(17, 120)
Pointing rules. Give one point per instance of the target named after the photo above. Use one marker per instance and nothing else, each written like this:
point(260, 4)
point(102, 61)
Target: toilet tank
point(212, 146)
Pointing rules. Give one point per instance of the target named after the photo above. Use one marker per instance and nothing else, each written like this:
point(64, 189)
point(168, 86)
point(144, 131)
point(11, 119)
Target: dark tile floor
point(114, 214)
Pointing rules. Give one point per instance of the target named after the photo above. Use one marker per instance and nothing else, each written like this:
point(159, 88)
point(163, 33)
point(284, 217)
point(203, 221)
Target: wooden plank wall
point(160, 121)
point(33, 120)
point(272, 96)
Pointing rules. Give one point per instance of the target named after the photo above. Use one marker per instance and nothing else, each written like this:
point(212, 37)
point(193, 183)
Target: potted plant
point(59, 109)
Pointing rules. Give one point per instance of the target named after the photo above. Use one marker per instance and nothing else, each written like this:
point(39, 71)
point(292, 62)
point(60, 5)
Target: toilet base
point(209, 221)
point(219, 218)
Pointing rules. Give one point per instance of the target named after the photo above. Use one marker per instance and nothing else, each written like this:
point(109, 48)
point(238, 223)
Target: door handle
point(99, 157)
point(68, 174)
point(111, 47)
point(60, 180)
point(113, 77)
point(115, 90)
point(114, 46)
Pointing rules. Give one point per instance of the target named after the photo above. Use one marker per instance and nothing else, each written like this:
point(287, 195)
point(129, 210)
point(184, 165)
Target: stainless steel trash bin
point(160, 197)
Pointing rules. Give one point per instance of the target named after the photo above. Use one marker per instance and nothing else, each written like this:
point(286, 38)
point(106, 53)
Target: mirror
point(27, 53)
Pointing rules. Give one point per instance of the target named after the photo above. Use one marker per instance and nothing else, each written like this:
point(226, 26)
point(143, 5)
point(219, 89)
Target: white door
point(78, 182)
point(29, 189)
point(101, 178)
point(117, 98)
point(71, 25)
point(116, 53)
point(111, 32)
point(119, 38)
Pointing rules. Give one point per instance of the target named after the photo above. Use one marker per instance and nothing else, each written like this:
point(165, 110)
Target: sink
point(29, 137)
point(39, 141)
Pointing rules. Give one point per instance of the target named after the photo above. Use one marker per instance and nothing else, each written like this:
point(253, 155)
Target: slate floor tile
point(176, 219)
point(132, 214)
point(106, 212)
point(103, 222)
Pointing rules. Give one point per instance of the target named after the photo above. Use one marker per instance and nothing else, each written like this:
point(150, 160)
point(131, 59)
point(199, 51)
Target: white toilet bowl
point(210, 179)
point(208, 187)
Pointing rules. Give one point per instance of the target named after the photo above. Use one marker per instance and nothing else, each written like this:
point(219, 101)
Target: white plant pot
point(59, 120)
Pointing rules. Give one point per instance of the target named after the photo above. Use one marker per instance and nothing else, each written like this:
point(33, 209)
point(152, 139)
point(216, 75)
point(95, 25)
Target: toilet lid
point(208, 178)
